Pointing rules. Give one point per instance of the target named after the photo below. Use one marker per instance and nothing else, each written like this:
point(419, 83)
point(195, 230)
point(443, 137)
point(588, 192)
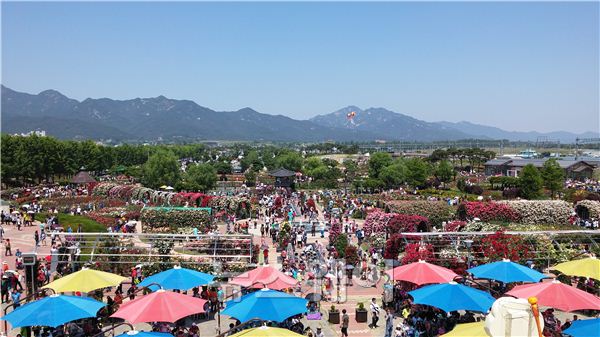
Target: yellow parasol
point(468, 330)
point(589, 267)
point(85, 280)
point(266, 331)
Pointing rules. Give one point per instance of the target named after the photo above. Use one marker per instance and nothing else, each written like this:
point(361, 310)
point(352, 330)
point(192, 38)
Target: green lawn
point(88, 225)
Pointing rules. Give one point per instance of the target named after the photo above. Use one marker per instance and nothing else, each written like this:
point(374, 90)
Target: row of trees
point(474, 157)
point(386, 172)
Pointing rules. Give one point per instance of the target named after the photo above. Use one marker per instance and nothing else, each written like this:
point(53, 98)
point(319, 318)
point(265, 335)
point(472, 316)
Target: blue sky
point(519, 66)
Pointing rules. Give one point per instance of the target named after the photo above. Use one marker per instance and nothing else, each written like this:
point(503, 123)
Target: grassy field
point(65, 220)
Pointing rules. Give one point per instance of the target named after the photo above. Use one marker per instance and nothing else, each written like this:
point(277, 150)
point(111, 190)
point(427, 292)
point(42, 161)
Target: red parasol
point(421, 273)
point(160, 306)
point(557, 295)
point(265, 276)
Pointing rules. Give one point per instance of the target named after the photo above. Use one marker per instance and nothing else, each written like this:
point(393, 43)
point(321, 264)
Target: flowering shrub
point(418, 251)
point(454, 226)
point(375, 240)
point(435, 211)
point(154, 220)
point(334, 231)
point(477, 226)
point(592, 206)
point(500, 246)
point(541, 211)
point(376, 222)
point(486, 211)
point(402, 223)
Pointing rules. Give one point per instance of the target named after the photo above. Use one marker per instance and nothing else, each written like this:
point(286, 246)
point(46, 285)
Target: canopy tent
point(85, 280)
point(476, 329)
point(160, 306)
point(266, 304)
point(452, 296)
point(265, 277)
point(266, 331)
point(53, 311)
point(421, 273)
point(589, 267)
point(584, 328)
point(507, 272)
point(557, 295)
point(178, 278)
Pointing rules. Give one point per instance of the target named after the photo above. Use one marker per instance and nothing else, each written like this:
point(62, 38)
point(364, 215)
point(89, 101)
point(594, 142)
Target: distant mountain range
point(146, 119)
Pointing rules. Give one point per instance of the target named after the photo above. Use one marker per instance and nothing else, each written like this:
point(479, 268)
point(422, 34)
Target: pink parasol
point(557, 295)
point(160, 306)
point(421, 273)
point(265, 276)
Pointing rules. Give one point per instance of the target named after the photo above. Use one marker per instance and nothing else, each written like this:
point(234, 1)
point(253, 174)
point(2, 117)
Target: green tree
point(290, 160)
point(393, 175)
point(377, 162)
point(417, 172)
point(553, 176)
point(531, 182)
point(444, 171)
point(222, 167)
point(200, 177)
point(350, 169)
point(162, 168)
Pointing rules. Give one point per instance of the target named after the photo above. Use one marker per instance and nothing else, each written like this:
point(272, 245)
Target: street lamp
point(468, 243)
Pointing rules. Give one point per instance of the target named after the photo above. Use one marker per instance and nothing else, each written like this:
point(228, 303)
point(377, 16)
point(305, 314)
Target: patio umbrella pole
point(536, 314)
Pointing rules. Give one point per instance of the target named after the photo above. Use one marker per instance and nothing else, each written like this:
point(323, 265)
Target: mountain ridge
point(142, 119)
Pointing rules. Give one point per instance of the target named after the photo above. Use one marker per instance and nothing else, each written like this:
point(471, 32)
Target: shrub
point(511, 193)
point(500, 246)
point(400, 223)
point(555, 212)
point(340, 244)
point(436, 211)
point(593, 196)
point(454, 226)
point(486, 211)
point(418, 251)
point(156, 220)
point(351, 255)
point(474, 189)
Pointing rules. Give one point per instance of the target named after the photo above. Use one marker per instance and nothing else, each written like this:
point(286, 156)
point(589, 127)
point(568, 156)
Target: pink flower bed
point(489, 211)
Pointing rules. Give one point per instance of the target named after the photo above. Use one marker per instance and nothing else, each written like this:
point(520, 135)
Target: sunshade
point(557, 295)
point(589, 267)
point(85, 280)
point(178, 278)
point(160, 306)
point(266, 304)
point(53, 311)
point(507, 272)
point(584, 328)
point(452, 296)
point(476, 329)
point(265, 277)
point(144, 334)
point(266, 331)
point(421, 273)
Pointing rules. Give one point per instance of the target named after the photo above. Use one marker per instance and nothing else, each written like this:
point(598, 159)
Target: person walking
point(345, 323)
point(389, 323)
point(36, 237)
point(374, 313)
point(7, 250)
